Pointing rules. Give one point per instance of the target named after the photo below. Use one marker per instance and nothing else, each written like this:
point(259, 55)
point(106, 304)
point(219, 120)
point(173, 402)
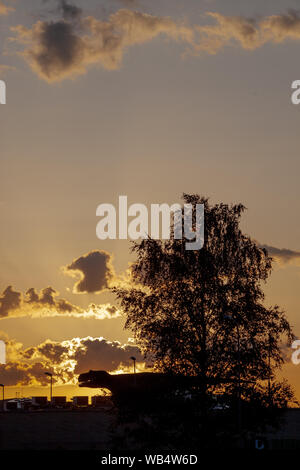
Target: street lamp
point(134, 370)
point(269, 366)
point(1, 385)
point(233, 318)
point(50, 375)
point(134, 359)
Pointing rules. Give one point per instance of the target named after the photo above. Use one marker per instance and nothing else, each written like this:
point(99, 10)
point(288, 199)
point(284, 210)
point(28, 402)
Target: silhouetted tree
point(203, 313)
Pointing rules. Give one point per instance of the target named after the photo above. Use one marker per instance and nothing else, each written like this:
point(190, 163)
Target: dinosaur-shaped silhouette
point(143, 381)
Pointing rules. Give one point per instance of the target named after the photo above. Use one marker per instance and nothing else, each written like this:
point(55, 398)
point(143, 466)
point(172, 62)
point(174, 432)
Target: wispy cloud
point(69, 12)
point(248, 33)
point(4, 69)
point(66, 48)
point(5, 10)
point(56, 50)
point(283, 256)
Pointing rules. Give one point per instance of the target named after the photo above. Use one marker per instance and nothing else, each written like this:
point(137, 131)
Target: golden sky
point(143, 98)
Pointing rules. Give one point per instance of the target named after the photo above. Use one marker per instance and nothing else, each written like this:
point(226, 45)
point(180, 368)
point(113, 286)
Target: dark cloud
point(95, 270)
point(46, 304)
point(32, 296)
point(49, 350)
point(112, 310)
point(70, 12)
point(59, 50)
point(47, 297)
point(63, 306)
point(100, 354)
point(18, 373)
point(88, 353)
point(67, 359)
point(278, 28)
point(10, 301)
point(62, 49)
point(283, 255)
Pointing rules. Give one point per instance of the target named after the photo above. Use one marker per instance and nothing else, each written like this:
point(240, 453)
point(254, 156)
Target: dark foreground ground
point(98, 430)
point(56, 430)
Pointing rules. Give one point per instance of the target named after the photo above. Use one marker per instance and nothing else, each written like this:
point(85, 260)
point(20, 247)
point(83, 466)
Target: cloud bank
point(45, 303)
point(65, 48)
point(66, 360)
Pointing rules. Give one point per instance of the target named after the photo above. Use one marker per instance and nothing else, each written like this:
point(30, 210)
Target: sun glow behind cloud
point(215, 34)
point(66, 360)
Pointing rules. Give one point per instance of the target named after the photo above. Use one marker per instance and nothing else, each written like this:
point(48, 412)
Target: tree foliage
point(203, 312)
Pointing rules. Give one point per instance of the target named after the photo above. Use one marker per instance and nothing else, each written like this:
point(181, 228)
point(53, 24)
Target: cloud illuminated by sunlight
point(5, 10)
point(68, 47)
point(66, 360)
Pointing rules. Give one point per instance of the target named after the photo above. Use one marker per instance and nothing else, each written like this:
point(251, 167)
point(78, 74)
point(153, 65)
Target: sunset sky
point(144, 98)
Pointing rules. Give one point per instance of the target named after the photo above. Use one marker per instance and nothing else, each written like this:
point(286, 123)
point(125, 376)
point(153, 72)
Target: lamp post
point(239, 414)
point(269, 366)
point(1, 385)
point(50, 375)
point(134, 369)
point(134, 359)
